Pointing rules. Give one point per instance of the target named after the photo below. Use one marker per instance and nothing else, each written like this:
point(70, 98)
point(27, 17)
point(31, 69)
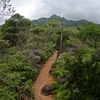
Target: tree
point(14, 26)
point(91, 35)
point(6, 8)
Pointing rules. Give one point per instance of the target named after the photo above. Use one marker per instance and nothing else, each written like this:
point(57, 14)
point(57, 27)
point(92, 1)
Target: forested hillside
point(42, 21)
point(26, 45)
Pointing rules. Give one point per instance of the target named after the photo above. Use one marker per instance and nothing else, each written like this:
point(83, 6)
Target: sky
point(70, 9)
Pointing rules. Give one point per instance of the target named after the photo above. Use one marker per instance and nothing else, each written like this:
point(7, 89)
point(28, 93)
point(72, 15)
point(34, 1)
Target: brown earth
point(43, 79)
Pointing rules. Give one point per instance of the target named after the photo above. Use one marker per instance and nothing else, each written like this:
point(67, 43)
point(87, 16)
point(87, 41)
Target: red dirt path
point(43, 79)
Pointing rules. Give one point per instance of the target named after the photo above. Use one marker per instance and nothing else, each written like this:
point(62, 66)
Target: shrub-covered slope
point(24, 47)
point(77, 70)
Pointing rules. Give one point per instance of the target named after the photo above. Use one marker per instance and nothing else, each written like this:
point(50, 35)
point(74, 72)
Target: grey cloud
point(1, 21)
point(74, 9)
point(70, 9)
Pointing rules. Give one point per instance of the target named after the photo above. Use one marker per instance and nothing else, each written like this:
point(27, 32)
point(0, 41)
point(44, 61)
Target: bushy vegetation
point(24, 47)
point(77, 70)
point(16, 76)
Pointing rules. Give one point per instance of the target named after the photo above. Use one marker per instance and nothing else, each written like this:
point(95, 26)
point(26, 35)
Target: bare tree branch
point(6, 8)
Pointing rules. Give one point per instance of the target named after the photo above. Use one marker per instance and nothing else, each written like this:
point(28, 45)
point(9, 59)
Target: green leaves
point(91, 35)
point(77, 76)
point(16, 76)
point(13, 27)
point(19, 66)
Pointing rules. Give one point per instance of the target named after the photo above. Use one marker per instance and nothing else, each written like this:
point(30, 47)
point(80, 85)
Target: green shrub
point(16, 77)
point(77, 76)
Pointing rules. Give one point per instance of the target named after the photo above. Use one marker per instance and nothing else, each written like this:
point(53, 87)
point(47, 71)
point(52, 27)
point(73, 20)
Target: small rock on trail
point(47, 90)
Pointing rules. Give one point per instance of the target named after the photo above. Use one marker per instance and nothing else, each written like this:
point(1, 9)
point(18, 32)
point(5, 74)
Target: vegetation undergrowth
point(24, 47)
point(77, 69)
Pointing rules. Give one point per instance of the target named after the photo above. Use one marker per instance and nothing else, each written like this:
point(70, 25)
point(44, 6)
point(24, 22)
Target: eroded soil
point(43, 79)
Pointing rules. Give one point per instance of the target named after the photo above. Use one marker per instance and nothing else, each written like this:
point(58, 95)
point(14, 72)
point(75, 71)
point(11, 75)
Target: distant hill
point(43, 20)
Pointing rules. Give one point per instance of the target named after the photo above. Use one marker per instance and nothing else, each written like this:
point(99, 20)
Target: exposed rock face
point(72, 49)
point(63, 79)
point(38, 59)
point(47, 89)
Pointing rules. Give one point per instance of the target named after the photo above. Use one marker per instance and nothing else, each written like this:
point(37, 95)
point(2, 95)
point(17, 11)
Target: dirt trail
point(43, 79)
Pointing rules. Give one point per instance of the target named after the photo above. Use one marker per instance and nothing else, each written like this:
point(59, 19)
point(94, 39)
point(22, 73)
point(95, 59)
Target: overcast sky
point(70, 9)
